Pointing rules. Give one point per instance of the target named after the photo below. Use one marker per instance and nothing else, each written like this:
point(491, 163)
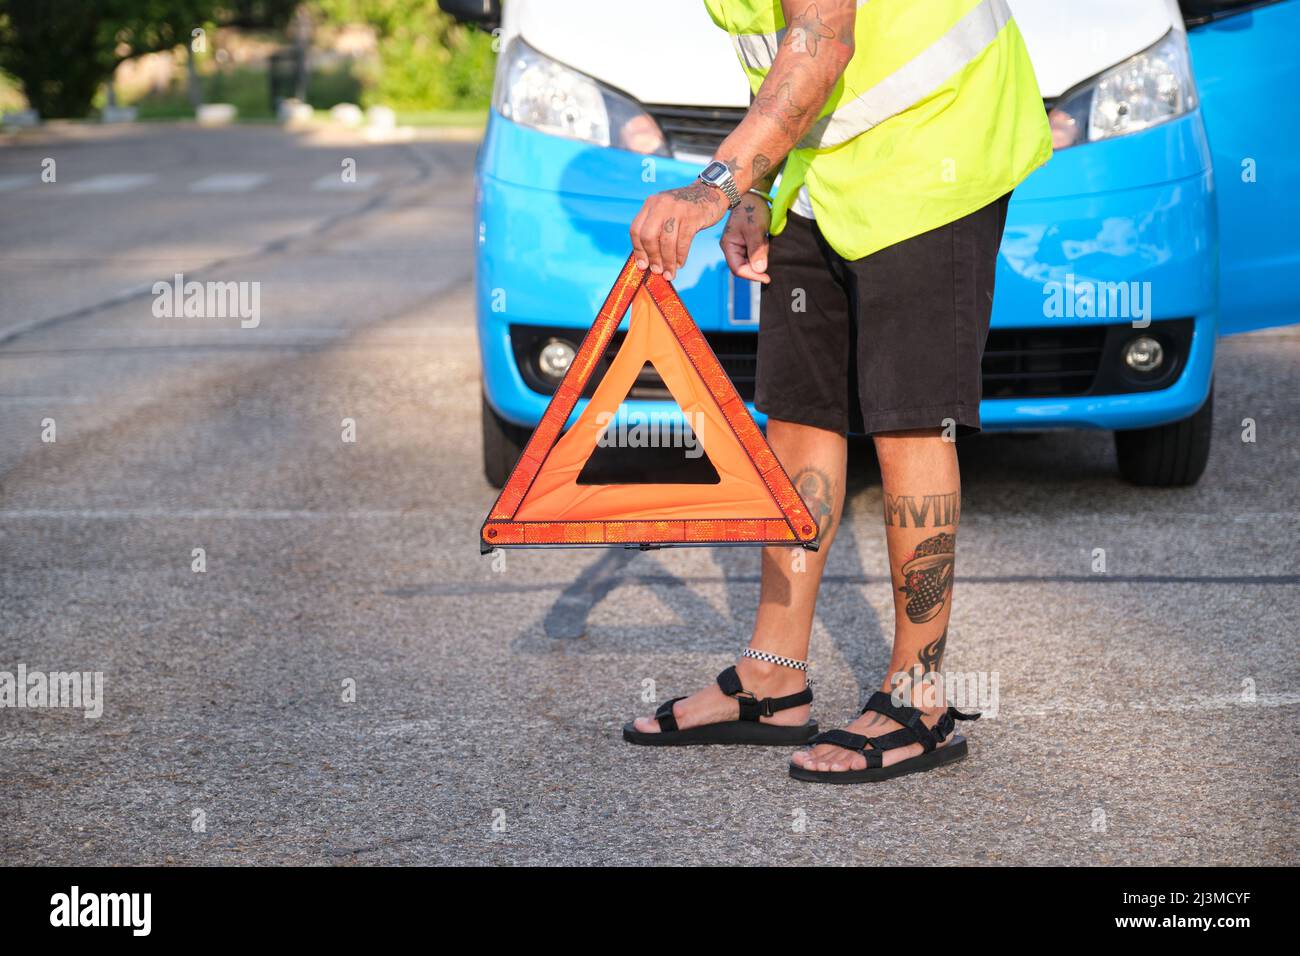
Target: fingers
point(745, 250)
point(652, 238)
point(638, 247)
point(685, 236)
point(661, 239)
point(758, 244)
point(733, 250)
point(663, 231)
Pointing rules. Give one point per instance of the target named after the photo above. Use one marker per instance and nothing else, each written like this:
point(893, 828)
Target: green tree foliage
point(427, 61)
point(61, 51)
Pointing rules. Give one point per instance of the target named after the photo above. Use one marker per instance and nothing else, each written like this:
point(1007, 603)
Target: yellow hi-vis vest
point(937, 114)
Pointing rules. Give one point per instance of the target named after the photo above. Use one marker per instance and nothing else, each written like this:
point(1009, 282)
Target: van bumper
point(553, 215)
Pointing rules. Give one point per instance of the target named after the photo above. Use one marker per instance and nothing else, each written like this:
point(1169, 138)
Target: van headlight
point(1145, 90)
point(533, 90)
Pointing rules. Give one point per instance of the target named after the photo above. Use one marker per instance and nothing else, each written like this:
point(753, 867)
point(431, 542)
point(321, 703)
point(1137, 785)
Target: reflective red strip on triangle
point(502, 529)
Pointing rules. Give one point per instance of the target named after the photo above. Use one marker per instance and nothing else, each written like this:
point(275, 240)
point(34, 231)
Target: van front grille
point(1027, 363)
point(1018, 363)
point(696, 129)
point(736, 351)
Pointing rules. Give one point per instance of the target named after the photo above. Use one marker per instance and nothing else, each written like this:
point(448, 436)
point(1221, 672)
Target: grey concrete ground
point(1145, 715)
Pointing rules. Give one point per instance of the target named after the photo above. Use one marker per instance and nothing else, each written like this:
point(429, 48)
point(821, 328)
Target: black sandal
point(746, 730)
point(913, 731)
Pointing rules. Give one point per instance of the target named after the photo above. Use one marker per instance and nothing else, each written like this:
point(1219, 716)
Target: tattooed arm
point(816, 49)
point(817, 46)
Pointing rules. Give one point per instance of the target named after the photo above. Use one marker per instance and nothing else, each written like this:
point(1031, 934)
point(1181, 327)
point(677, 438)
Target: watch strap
point(727, 185)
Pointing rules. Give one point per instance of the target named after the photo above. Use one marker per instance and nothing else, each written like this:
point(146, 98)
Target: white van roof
point(670, 52)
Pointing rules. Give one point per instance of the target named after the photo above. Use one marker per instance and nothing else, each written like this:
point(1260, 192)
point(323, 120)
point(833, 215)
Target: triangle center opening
point(648, 448)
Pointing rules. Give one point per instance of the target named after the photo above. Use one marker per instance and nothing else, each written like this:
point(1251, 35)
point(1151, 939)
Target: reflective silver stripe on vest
point(965, 41)
point(758, 50)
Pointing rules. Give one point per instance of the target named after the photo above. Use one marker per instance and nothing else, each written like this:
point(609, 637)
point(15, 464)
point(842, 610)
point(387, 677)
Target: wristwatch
point(718, 176)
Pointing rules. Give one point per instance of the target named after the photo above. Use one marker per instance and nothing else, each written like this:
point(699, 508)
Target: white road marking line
point(46, 400)
point(333, 182)
point(112, 183)
point(281, 514)
point(206, 514)
point(40, 737)
point(228, 183)
point(8, 183)
point(1124, 521)
point(1177, 705)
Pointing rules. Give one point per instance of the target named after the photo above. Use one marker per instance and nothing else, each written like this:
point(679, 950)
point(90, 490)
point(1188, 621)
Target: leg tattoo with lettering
point(934, 511)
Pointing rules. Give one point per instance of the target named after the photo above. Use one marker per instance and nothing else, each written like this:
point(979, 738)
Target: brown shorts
point(889, 342)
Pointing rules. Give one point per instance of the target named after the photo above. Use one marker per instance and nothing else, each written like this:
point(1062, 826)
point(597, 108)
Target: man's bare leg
point(815, 460)
point(921, 488)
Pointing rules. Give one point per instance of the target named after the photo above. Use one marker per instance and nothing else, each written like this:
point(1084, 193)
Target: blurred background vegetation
point(74, 58)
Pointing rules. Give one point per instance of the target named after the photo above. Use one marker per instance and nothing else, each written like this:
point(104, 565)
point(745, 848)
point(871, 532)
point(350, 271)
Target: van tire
point(1167, 455)
point(503, 442)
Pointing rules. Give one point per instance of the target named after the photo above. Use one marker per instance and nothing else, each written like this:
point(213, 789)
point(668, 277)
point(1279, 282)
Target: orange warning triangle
point(753, 501)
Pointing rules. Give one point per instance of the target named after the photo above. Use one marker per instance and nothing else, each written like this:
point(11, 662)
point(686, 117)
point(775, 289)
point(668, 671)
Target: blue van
point(1166, 218)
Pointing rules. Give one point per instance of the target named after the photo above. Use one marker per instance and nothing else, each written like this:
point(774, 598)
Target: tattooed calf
point(931, 655)
point(818, 493)
point(922, 685)
point(927, 577)
point(925, 510)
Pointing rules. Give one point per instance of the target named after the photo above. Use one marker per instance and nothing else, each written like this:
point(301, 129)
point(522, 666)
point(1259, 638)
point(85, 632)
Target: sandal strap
point(751, 708)
point(850, 741)
point(840, 738)
point(914, 729)
point(904, 738)
point(729, 682)
point(948, 722)
point(909, 735)
point(909, 717)
point(664, 714)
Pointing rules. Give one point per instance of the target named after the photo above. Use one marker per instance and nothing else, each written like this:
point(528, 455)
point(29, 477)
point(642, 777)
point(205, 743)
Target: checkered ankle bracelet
point(774, 659)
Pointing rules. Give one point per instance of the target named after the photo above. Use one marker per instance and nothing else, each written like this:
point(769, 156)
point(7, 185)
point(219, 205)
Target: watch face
point(713, 172)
